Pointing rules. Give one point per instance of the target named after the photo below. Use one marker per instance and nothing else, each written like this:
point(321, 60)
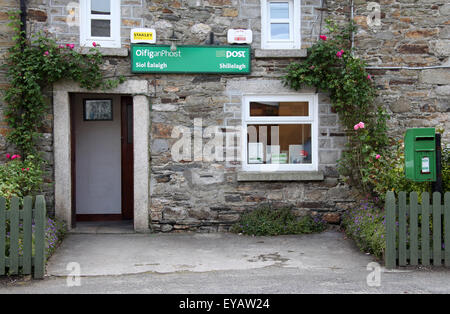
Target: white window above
point(280, 133)
point(280, 24)
point(100, 23)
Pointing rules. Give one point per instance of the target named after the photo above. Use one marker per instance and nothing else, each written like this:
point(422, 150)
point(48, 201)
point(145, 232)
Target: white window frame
point(294, 42)
point(312, 118)
point(86, 39)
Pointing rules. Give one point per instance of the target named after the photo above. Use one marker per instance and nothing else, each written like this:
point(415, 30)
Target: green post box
point(420, 154)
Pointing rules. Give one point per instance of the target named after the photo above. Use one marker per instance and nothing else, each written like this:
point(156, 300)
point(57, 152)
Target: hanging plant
point(331, 67)
point(34, 64)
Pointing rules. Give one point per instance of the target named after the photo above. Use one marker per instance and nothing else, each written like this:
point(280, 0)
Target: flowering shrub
point(387, 173)
point(331, 67)
point(32, 65)
point(54, 233)
point(366, 225)
point(266, 221)
point(20, 177)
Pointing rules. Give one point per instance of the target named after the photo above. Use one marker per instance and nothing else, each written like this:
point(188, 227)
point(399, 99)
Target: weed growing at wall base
point(266, 221)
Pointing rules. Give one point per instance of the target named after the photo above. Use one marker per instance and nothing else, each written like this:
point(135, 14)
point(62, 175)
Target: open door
point(102, 158)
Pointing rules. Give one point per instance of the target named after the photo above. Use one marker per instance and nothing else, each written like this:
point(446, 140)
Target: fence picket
point(40, 222)
point(27, 234)
point(2, 235)
point(413, 237)
point(437, 235)
point(402, 229)
point(447, 227)
point(425, 232)
point(14, 236)
point(390, 230)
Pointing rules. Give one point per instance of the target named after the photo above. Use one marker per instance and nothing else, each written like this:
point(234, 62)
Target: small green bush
point(365, 224)
point(446, 167)
point(266, 221)
point(388, 174)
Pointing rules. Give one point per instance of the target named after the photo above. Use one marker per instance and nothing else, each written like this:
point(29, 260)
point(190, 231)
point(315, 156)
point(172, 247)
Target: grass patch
point(266, 221)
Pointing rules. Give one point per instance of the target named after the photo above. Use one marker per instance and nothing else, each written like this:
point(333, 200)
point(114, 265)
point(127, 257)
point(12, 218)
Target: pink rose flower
point(369, 77)
point(46, 53)
point(14, 157)
point(356, 127)
point(340, 53)
point(361, 125)
point(23, 169)
point(8, 156)
point(323, 37)
point(60, 46)
point(94, 44)
point(378, 156)
point(70, 46)
point(28, 169)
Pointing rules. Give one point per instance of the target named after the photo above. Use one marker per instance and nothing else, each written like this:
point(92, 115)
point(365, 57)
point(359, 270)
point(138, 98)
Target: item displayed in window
point(271, 150)
point(255, 153)
point(297, 154)
point(280, 158)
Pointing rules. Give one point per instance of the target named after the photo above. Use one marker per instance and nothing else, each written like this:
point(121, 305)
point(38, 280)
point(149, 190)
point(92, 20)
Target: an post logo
point(235, 54)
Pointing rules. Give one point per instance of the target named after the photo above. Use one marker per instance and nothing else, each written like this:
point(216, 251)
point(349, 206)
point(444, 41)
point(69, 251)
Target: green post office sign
point(190, 59)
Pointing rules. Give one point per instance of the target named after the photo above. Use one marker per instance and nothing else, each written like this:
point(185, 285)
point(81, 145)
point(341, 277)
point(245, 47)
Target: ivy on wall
point(331, 67)
point(34, 64)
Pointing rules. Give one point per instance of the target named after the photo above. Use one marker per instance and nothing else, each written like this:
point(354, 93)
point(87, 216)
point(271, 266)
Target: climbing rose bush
point(331, 67)
point(20, 177)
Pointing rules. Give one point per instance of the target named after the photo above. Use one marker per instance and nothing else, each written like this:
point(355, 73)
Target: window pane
point(100, 28)
point(100, 7)
point(279, 144)
point(279, 30)
point(279, 10)
point(279, 109)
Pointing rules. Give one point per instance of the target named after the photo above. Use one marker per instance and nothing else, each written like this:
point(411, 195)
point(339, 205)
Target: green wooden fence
point(21, 247)
point(417, 233)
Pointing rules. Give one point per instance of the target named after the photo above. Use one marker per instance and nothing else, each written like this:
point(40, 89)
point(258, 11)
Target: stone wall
point(207, 196)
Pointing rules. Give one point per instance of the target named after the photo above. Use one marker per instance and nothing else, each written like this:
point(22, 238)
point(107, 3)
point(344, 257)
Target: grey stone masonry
point(205, 196)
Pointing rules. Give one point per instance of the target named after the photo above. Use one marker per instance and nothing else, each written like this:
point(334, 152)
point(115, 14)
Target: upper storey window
point(100, 23)
point(280, 24)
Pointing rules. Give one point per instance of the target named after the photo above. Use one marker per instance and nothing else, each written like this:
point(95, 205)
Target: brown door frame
point(127, 167)
point(127, 157)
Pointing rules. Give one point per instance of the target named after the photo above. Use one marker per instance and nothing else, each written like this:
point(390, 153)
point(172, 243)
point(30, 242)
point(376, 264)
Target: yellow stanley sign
point(143, 35)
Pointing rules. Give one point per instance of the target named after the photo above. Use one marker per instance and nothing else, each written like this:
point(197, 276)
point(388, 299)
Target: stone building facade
point(407, 52)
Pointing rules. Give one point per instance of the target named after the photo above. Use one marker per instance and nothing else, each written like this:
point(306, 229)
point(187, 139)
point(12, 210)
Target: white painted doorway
point(97, 159)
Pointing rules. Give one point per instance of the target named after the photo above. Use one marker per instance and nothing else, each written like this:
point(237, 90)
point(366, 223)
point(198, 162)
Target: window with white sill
point(280, 133)
point(280, 24)
point(100, 23)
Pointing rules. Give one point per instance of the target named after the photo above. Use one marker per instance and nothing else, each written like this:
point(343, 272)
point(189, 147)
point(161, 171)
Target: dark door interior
point(127, 157)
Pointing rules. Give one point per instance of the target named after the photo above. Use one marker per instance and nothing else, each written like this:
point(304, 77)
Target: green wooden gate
point(16, 244)
point(417, 233)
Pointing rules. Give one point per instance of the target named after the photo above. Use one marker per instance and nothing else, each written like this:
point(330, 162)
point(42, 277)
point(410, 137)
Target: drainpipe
point(23, 16)
point(353, 33)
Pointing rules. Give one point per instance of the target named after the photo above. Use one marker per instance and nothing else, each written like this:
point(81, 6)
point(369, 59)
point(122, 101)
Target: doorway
point(102, 157)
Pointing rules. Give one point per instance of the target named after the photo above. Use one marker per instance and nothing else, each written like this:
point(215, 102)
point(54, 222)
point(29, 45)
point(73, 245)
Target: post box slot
point(424, 138)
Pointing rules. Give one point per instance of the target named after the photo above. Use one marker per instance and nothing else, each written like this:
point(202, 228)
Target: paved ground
point(222, 263)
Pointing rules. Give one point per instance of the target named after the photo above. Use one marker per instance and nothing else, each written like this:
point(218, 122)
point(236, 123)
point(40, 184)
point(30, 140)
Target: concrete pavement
point(223, 263)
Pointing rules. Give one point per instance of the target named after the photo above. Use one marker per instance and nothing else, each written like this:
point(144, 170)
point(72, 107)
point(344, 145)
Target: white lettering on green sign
point(190, 59)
